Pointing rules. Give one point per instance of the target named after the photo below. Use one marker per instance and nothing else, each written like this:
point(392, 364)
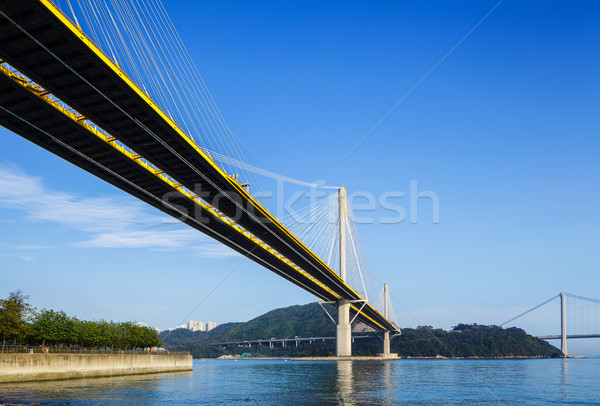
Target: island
point(310, 321)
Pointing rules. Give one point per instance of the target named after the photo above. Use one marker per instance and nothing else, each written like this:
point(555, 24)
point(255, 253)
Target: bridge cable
point(73, 12)
point(162, 142)
point(242, 165)
point(168, 67)
point(213, 110)
point(176, 209)
point(583, 298)
point(530, 310)
point(155, 136)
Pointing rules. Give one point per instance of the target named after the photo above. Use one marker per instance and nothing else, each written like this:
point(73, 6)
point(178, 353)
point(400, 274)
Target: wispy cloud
point(143, 238)
point(94, 214)
point(111, 222)
point(25, 247)
point(27, 258)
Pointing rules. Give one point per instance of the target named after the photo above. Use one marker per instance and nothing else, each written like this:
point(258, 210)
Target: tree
point(51, 327)
point(15, 312)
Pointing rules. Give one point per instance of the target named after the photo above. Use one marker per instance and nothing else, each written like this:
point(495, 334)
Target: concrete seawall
point(42, 367)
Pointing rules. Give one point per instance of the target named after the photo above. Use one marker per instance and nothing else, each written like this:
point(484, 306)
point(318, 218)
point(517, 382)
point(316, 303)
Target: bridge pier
point(386, 344)
point(386, 335)
point(343, 336)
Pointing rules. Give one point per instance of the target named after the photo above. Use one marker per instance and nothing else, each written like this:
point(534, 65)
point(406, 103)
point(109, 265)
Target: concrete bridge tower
point(563, 323)
point(343, 328)
point(386, 335)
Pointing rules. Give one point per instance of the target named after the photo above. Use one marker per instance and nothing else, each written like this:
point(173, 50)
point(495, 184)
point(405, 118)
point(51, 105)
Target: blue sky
point(505, 132)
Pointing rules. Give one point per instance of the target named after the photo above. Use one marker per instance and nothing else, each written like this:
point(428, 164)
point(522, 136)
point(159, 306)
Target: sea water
point(281, 382)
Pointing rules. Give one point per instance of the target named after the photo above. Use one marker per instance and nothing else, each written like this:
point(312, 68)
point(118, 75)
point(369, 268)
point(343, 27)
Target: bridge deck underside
point(37, 121)
point(48, 49)
point(569, 336)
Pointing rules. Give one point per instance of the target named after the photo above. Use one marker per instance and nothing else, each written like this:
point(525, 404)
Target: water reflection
point(344, 382)
point(565, 371)
point(96, 390)
point(564, 381)
point(367, 383)
point(386, 378)
point(274, 382)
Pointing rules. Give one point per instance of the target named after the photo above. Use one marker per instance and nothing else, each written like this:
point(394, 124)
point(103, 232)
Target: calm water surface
point(278, 382)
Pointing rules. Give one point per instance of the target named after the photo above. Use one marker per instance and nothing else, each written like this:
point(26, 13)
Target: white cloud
point(112, 222)
point(27, 193)
point(27, 258)
point(214, 250)
point(143, 238)
point(25, 247)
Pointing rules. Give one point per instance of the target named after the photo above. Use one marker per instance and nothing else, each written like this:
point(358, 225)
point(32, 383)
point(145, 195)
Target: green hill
point(311, 321)
point(183, 336)
point(303, 321)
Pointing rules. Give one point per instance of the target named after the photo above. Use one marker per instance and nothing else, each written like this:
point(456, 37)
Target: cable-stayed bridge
point(580, 316)
point(142, 120)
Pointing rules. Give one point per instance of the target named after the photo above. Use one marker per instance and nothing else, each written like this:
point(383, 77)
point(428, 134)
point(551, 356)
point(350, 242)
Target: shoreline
point(378, 358)
point(22, 367)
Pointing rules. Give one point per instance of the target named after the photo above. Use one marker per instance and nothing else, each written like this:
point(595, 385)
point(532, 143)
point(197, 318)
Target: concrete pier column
point(343, 336)
point(563, 323)
point(386, 335)
point(386, 343)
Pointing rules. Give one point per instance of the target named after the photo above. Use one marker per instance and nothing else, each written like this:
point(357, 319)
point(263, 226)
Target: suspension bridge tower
point(563, 323)
point(343, 334)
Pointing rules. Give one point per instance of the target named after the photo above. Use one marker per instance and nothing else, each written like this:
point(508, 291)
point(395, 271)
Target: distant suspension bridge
point(583, 313)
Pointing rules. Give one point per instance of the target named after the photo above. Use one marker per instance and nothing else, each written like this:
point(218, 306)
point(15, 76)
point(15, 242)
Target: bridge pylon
point(386, 334)
point(563, 323)
point(343, 327)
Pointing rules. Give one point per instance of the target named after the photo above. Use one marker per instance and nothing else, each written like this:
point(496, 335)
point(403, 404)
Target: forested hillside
point(464, 340)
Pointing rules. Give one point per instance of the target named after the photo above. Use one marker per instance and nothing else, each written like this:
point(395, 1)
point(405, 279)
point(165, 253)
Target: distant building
point(142, 324)
point(196, 325)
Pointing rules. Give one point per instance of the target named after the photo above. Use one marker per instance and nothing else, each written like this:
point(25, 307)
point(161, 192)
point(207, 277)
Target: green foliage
point(15, 311)
point(50, 327)
point(465, 340)
point(19, 322)
point(201, 350)
point(303, 321)
point(472, 340)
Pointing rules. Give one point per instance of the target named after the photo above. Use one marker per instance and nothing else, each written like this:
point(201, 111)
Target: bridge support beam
point(343, 336)
point(563, 323)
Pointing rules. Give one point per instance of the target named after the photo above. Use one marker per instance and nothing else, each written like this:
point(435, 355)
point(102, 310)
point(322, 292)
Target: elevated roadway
point(60, 91)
